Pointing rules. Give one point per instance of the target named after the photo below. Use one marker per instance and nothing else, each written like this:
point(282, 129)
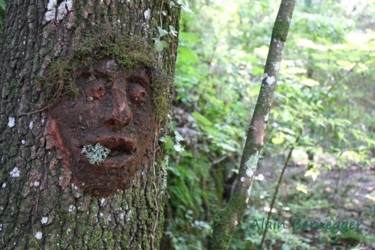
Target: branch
point(342, 77)
point(277, 189)
point(226, 220)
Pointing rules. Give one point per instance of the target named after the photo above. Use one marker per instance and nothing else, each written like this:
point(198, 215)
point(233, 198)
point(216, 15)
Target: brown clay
point(114, 108)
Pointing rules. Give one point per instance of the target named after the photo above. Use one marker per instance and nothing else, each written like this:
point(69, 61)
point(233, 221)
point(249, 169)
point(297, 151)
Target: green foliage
point(2, 12)
point(325, 96)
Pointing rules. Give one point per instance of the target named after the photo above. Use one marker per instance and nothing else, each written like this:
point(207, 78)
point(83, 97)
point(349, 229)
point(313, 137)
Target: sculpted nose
point(118, 114)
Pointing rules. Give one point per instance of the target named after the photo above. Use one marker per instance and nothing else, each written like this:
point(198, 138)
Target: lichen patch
point(38, 235)
point(44, 220)
point(270, 80)
point(15, 172)
point(11, 121)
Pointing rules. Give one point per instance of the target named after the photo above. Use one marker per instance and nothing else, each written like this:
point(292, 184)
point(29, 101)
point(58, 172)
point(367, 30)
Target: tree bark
point(40, 207)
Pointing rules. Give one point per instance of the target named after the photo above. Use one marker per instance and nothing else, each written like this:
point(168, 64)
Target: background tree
point(39, 206)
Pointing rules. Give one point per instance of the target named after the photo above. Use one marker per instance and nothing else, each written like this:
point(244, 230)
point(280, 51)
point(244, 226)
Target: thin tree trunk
point(227, 219)
point(40, 206)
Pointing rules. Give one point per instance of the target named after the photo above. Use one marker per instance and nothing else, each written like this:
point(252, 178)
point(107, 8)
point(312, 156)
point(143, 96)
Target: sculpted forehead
point(110, 68)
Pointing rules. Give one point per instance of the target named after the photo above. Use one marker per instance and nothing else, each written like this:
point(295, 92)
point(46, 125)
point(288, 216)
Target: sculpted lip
point(122, 148)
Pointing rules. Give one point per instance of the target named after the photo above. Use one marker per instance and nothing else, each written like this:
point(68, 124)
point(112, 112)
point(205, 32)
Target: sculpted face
point(114, 109)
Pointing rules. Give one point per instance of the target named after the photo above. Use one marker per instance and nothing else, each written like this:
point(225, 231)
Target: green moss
point(280, 30)
point(128, 52)
point(223, 229)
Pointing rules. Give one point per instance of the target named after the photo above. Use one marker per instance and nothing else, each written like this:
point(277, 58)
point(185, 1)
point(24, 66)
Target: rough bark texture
point(39, 207)
point(226, 220)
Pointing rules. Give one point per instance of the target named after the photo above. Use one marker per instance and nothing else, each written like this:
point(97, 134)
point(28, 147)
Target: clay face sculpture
point(114, 112)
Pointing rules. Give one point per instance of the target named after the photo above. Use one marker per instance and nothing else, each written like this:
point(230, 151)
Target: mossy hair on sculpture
point(128, 52)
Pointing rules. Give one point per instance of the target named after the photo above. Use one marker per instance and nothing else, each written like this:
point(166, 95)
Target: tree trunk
point(44, 202)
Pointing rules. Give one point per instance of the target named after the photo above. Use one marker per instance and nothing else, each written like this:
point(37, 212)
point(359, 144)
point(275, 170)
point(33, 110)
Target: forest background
point(323, 115)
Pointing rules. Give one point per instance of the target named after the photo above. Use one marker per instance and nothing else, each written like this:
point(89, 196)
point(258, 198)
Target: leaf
point(2, 5)
point(314, 173)
point(178, 136)
point(178, 148)
point(159, 45)
point(173, 31)
point(309, 82)
point(227, 147)
point(285, 247)
point(302, 188)
point(371, 196)
point(278, 139)
point(162, 32)
point(200, 118)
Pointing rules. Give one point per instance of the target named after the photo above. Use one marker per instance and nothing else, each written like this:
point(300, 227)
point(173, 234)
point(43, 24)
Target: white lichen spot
point(38, 235)
point(101, 214)
point(71, 208)
point(278, 42)
point(4, 185)
point(259, 177)
point(276, 66)
point(265, 75)
point(266, 118)
point(15, 172)
point(51, 10)
point(242, 179)
point(23, 141)
point(147, 14)
point(11, 121)
point(121, 215)
point(109, 217)
point(60, 12)
point(247, 199)
point(31, 125)
point(36, 183)
point(102, 201)
point(69, 5)
point(74, 187)
point(129, 215)
point(249, 172)
point(44, 220)
point(270, 80)
point(251, 165)
point(51, 4)
point(249, 192)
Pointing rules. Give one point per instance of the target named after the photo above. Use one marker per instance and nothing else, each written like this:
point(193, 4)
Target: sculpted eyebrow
point(138, 79)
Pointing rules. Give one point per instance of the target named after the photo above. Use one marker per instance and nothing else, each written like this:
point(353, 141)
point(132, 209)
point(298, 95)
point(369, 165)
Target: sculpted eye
point(137, 93)
point(96, 89)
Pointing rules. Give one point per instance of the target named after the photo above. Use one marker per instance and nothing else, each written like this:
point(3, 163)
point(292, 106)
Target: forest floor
point(340, 196)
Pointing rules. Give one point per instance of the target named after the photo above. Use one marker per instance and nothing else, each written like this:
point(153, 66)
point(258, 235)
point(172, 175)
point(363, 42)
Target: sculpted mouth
point(122, 150)
point(118, 145)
